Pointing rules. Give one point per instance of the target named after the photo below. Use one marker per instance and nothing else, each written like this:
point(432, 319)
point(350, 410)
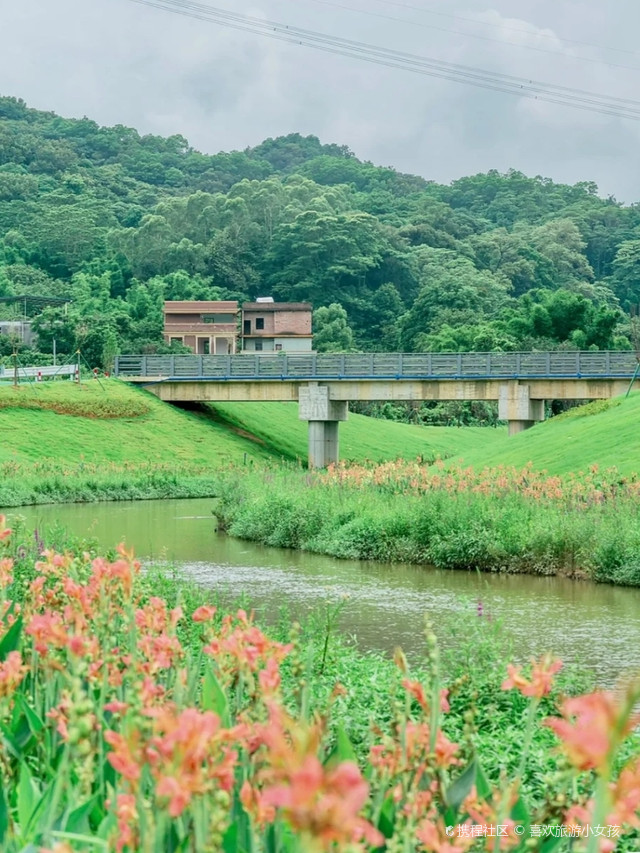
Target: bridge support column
point(323, 416)
point(516, 407)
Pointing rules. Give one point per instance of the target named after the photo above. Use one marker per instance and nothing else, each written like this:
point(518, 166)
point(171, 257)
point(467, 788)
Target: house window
point(259, 324)
point(258, 346)
point(278, 347)
point(176, 340)
point(247, 327)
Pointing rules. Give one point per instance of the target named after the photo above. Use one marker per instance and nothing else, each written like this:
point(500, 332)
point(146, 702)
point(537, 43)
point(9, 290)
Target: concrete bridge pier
point(324, 416)
point(516, 406)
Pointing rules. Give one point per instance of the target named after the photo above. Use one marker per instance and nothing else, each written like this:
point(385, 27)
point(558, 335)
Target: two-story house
point(207, 328)
point(269, 326)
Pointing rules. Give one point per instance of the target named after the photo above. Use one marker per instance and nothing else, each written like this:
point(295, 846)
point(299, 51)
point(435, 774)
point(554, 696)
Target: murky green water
point(597, 626)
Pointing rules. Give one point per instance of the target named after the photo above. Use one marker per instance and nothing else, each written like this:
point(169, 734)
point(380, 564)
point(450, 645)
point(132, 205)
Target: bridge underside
point(395, 390)
point(324, 403)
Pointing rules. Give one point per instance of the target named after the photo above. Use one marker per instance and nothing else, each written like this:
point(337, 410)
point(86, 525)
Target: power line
point(532, 89)
point(522, 30)
point(423, 25)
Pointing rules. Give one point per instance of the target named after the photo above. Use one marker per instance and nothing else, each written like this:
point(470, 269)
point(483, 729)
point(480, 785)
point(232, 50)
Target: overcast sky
point(121, 63)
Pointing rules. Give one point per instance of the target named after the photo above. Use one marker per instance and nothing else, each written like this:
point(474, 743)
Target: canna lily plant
point(116, 736)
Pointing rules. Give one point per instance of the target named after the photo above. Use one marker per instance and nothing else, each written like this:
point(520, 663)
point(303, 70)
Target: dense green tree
point(118, 221)
point(331, 332)
point(453, 292)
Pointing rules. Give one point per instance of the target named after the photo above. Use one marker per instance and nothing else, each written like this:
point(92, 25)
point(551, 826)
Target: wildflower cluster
point(401, 477)
point(118, 736)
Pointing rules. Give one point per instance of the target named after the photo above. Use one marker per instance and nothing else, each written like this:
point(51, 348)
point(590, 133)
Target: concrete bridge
point(324, 384)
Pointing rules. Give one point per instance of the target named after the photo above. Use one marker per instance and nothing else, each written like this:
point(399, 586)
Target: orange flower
point(541, 682)
point(6, 572)
point(128, 821)
point(204, 613)
point(122, 759)
point(591, 728)
point(5, 532)
point(47, 630)
point(12, 671)
point(323, 802)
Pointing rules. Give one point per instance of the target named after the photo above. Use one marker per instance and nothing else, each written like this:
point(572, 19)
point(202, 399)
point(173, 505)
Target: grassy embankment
point(585, 524)
point(603, 433)
point(63, 442)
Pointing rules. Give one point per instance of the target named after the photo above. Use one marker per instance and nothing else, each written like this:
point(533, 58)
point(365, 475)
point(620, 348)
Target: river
point(591, 625)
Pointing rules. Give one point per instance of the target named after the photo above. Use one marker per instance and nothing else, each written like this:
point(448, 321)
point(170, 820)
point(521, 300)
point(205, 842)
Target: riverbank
point(168, 699)
point(496, 520)
point(104, 440)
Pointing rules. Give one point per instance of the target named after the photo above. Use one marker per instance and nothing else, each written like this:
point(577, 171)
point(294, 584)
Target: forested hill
point(119, 222)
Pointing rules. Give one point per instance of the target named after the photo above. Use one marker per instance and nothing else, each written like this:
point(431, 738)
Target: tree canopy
point(117, 222)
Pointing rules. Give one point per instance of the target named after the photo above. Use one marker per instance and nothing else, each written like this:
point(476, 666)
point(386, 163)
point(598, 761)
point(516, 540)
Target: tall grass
point(496, 521)
point(49, 482)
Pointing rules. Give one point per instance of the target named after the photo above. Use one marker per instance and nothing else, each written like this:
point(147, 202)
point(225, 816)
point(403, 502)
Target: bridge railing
point(467, 365)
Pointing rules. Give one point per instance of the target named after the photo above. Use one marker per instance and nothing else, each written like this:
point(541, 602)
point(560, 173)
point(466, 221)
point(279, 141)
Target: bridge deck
point(382, 366)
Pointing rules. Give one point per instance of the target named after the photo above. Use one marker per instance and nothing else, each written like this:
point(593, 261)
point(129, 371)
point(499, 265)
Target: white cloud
point(118, 62)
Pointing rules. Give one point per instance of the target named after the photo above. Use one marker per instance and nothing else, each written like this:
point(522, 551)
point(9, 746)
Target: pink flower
point(541, 680)
point(204, 613)
point(591, 727)
point(5, 532)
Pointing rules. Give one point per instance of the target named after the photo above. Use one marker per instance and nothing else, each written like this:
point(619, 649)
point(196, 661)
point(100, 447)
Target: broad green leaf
point(231, 840)
point(10, 744)
point(35, 723)
point(17, 737)
point(28, 798)
point(387, 820)
point(343, 749)
point(11, 639)
point(96, 843)
point(551, 843)
point(214, 698)
point(520, 812)
point(483, 788)
point(460, 789)
point(78, 820)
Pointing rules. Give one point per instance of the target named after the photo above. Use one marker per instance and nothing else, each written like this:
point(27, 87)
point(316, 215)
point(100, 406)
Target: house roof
point(264, 307)
point(199, 307)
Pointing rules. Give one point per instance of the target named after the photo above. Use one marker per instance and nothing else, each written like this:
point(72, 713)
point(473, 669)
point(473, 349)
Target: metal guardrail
point(47, 372)
point(467, 365)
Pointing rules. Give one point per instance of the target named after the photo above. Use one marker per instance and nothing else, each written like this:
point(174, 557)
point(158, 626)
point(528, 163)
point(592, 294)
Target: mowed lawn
point(606, 434)
point(361, 438)
point(110, 422)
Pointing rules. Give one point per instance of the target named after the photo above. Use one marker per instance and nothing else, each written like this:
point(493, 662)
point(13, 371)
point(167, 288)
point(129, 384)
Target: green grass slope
point(603, 433)
point(109, 422)
point(361, 438)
